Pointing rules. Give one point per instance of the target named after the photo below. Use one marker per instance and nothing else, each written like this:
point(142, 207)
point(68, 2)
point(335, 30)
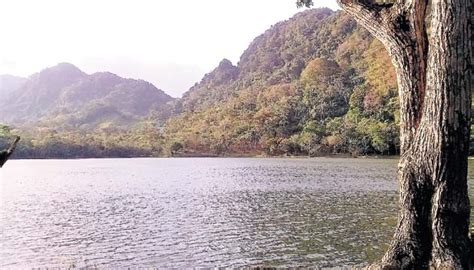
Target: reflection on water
point(196, 212)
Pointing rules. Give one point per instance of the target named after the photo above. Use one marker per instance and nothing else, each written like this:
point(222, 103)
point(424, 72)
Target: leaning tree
point(434, 79)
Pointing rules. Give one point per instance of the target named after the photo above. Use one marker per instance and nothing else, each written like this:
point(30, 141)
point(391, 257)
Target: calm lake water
point(196, 212)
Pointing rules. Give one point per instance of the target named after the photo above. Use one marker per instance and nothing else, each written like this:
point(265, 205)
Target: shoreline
point(335, 156)
point(184, 156)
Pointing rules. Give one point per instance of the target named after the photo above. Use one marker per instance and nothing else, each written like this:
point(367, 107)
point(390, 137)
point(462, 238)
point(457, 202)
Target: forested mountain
point(62, 112)
point(64, 97)
point(315, 84)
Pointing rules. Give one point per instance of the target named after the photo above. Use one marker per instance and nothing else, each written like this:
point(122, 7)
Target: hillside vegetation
point(313, 85)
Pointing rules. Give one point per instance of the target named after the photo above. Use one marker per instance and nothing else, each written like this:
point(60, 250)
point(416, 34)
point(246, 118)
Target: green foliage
point(4, 130)
point(326, 89)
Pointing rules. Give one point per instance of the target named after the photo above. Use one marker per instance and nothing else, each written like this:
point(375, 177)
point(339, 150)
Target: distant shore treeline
point(316, 84)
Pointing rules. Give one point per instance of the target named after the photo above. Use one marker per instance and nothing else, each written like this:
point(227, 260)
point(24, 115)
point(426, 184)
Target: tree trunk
point(448, 118)
point(435, 102)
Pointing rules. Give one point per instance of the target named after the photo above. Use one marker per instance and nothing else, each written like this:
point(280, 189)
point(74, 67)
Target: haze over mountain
point(9, 84)
point(65, 97)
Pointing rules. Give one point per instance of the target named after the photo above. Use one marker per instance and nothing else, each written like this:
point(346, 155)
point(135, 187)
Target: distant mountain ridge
point(64, 97)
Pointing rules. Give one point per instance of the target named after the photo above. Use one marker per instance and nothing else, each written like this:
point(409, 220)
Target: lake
point(196, 212)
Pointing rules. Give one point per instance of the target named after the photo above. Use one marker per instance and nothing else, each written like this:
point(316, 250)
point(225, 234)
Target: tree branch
point(5, 154)
point(400, 26)
point(13, 146)
point(371, 15)
point(391, 23)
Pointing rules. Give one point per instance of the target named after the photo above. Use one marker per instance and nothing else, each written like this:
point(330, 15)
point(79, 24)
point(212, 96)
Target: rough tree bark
point(434, 83)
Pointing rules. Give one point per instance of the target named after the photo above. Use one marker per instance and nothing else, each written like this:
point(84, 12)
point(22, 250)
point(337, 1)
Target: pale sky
point(171, 43)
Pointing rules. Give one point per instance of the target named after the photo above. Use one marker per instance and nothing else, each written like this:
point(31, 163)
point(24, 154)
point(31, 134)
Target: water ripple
point(196, 212)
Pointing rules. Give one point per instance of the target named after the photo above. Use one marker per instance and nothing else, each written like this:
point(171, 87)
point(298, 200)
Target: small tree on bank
point(434, 81)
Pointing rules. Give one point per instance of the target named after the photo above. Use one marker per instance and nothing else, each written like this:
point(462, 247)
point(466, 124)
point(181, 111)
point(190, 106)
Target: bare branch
point(13, 146)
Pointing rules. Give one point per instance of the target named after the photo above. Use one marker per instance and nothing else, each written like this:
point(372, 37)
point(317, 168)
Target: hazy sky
point(170, 43)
